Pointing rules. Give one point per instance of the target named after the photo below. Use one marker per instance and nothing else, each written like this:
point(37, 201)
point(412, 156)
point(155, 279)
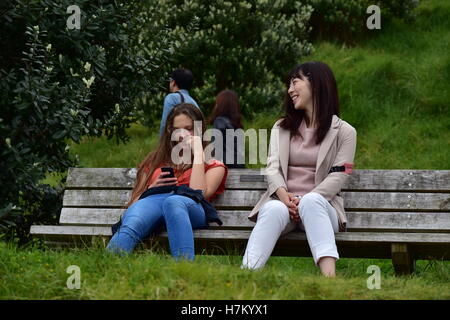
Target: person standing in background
point(227, 115)
point(180, 83)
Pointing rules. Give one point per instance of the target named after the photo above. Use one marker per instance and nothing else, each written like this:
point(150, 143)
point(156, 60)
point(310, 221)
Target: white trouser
point(318, 219)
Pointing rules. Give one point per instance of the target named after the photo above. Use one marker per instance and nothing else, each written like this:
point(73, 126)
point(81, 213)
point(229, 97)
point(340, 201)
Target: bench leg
point(402, 259)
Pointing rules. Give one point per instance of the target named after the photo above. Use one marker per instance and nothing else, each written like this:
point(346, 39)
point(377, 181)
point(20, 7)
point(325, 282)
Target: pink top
point(303, 153)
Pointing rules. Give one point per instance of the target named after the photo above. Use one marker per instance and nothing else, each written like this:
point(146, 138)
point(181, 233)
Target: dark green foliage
point(59, 85)
point(345, 20)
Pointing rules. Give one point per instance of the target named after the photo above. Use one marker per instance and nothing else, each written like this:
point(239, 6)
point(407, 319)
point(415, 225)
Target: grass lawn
point(394, 90)
point(41, 274)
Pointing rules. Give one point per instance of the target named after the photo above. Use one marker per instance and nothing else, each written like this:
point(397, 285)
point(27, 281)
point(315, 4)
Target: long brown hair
point(227, 105)
point(162, 154)
point(324, 96)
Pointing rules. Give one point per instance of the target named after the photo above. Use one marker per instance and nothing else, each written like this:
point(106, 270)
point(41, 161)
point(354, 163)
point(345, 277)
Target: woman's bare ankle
point(327, 266)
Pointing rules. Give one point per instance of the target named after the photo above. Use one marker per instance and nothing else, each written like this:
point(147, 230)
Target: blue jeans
point(179, 214)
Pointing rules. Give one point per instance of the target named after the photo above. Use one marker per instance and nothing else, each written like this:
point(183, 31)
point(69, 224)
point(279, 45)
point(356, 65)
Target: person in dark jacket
point(226, 115)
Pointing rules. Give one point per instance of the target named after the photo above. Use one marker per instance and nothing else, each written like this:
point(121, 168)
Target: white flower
point(49, 47)
point(8, 142)
point(87, 67)
point(89, 82)
point(74, 74)
point(49, 69)
point(117, 110)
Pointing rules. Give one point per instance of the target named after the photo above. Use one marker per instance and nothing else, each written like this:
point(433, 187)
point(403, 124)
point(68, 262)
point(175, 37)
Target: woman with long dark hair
point(226, 117)
point(310, 158)
point(174, 203)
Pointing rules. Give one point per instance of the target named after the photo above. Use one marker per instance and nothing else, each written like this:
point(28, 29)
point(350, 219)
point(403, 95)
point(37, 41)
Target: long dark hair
point(162, 154)
point(227, 105)
point(324, 97)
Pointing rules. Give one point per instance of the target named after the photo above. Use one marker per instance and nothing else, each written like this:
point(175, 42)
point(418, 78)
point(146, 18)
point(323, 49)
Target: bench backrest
point(375, 200)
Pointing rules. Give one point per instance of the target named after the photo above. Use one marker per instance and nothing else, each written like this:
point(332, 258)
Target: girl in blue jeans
point(177, 213)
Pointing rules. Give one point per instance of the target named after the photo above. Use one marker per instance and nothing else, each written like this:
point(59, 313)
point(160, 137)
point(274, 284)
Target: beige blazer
point(337, 148)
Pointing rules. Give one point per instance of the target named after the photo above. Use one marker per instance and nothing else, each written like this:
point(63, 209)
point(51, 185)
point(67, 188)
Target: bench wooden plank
point(354, 200)
point(248, 198)
point(381, 180)
point(51, 231)
point(350, 244)
point(107, 217)
point(361, 221)
point(388, 237)
point(406, 221)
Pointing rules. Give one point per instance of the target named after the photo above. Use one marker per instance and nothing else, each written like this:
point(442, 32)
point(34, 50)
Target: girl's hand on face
point(161, 181)
point(195, 143)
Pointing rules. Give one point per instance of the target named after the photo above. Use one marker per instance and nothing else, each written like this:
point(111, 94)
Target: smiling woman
point(313, 97)
point(300, 93)
point(304, 170)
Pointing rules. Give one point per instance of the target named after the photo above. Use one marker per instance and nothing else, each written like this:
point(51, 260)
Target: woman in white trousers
point(310, 158)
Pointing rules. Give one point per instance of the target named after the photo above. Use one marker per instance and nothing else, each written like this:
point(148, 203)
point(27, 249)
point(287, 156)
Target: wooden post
point(402, 259)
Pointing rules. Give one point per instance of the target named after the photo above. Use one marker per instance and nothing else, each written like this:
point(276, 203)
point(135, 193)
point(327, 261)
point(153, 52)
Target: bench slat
point(442, 238)
point(395, 180)
point(247, 199)
point(361, 221)
point(107, 217)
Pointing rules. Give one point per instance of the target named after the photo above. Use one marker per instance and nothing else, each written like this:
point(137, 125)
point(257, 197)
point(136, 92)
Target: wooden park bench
point(403, 215)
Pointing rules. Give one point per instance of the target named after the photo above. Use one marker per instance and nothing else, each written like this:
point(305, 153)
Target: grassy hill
point(394, 90)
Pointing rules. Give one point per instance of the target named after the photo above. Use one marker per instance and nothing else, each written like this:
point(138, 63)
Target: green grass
point(101, 152)
point(394, 89)
point(41, 274)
